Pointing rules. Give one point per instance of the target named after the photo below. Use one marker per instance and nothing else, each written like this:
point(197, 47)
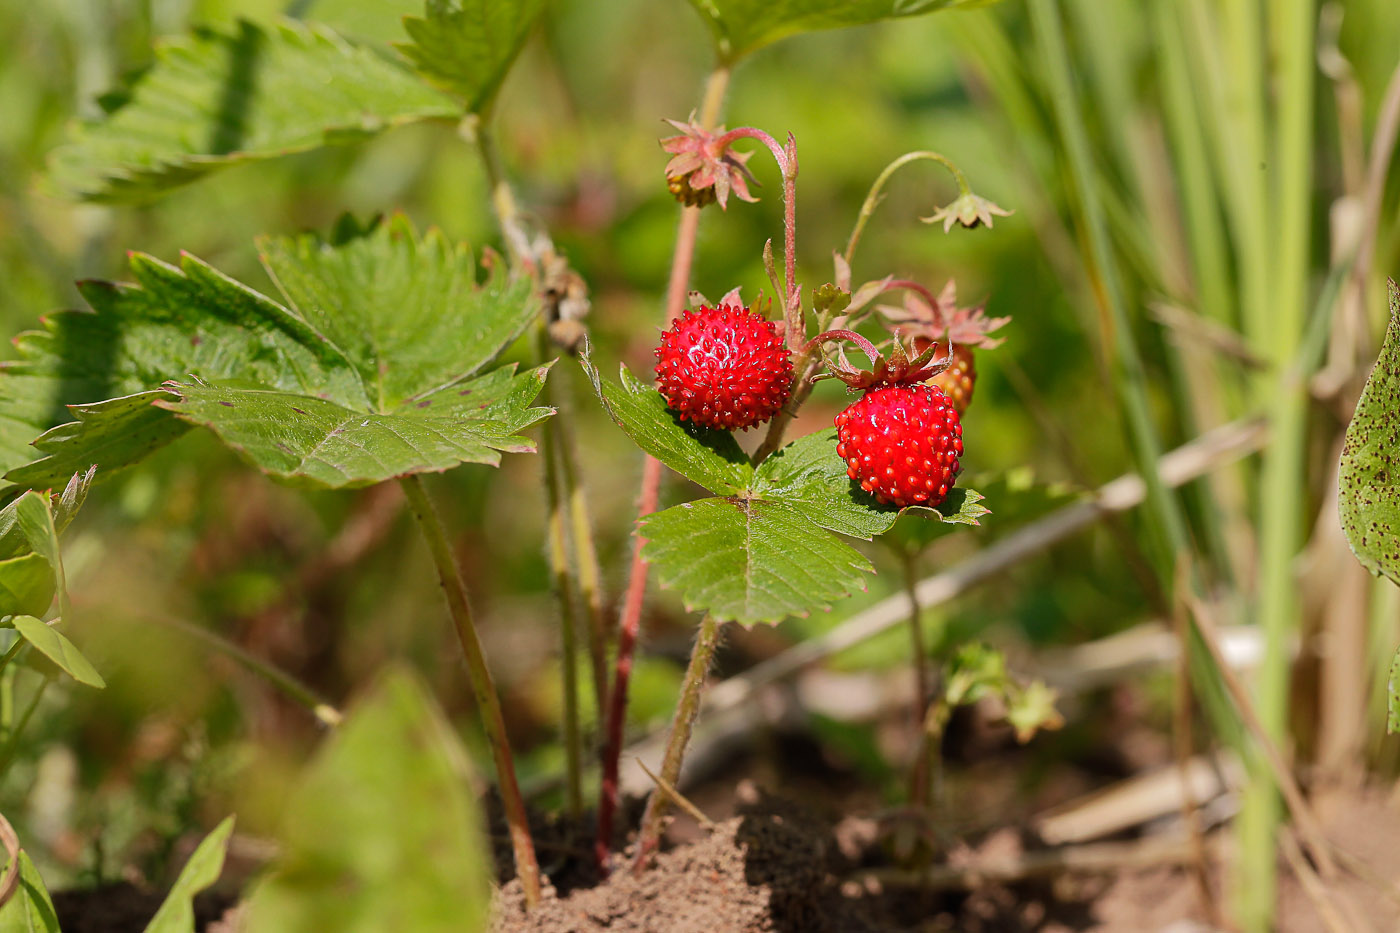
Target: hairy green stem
point(454, 588)
point(873, 199)
point(687, 708)
point(323, 710)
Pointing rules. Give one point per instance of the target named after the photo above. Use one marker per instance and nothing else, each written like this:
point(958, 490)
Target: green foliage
point(26, 585)
point(467, 46)
point(1369, 477)
point(756, 554)
point(49, 642)
point(383, 832)
point(978, 671)
point(365, 374)
point(35, 519)
point(30, 910)
point(217, 98)
point(741, 26)
point(176, 914)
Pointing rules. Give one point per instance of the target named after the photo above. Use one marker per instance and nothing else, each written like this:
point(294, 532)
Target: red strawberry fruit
point(902, 441)
point(902, 444)
point(723, 367)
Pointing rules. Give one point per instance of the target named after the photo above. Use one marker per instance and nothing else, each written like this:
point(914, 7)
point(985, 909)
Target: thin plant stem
point(919, 656)
point(876, 195)
point(589, 575)
point(7, 752)
point(629, 625)
point(557, 532)
point(294, 689)
point(454, 588)
point(687, 708)
point(1182, 742)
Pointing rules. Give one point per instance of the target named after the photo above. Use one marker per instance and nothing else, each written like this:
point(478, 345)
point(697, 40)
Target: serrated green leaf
point(319, 443)
point(116, 433)
point(741, 26)
point(51, 643)
point(709, 457)
point(383, 832)
point(407, 312)
point(30, 910)
point(750, 561)
point(27, 585)
point(1368, 498)
point(410, 313)
point(217, 98)
point(466, 47)
point(810, 477)
point(176, 914)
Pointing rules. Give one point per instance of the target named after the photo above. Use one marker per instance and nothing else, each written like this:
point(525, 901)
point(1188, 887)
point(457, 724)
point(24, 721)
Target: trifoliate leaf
point(217, 98)
point(51, 643)
point(706, 456)
point(1369, 475)
point(466, 47)
point(741, 26)
point(176, 914)
point(382, 349)
point(31, 909)
point(748, 561)
point(383, 832)
point(315, 442)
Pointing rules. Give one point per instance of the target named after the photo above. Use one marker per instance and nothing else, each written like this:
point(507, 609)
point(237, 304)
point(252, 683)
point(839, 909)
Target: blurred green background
point(110, 782)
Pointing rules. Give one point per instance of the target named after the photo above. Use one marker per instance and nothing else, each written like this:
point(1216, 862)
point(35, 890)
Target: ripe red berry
point(723, 367)
point(902, 444)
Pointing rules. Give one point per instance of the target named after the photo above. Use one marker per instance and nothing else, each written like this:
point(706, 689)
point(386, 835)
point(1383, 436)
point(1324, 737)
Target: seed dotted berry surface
point(723, 367)
point(902, 443)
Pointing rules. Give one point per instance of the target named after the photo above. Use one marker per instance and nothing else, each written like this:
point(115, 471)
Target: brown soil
point(776, 867)
point(122, 908)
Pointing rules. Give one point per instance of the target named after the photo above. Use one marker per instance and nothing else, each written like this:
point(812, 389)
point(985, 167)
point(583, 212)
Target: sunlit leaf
point(51, 643)
point(27, 585)
point(35, 519)
point(749, 561)
point(30, 910)
point(466, 47)
point(709, 457)
point(740, 26)
point(217, 98)
point(176, 914)
point(383, 832)
point(1369, 475)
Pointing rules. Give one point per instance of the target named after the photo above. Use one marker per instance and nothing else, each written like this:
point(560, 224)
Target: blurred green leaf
point(176, 914)
point(26, 585)
point(1031, 709)
point(36, 521)
point(116, 433)
point(1369, 476)
point(705, 456)
point(750, 561)
point(466, 47)
point(977, 670)
point(30, 910)
point(310, 441)
point(383, 832)
point(51, 643)
point(215, 98)
point(741, 26)
point(1019, 496)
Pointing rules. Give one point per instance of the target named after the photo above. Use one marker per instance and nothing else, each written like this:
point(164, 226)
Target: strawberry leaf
point(705, 456)
point(466, 47)
point(741, 26)
point(376, 366)
point(314, 442)
point(1369, 475)
point(218, 98)
point(750, 561)
point(51, 643)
